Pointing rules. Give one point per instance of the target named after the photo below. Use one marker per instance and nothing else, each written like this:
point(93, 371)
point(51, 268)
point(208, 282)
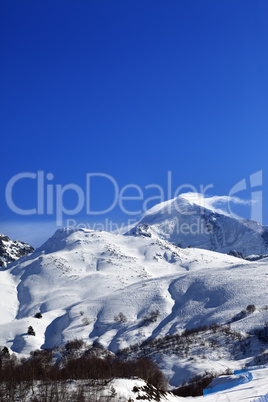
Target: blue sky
point(131, 89)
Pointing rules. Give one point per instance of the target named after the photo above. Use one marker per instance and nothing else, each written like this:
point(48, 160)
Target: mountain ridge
point(120, 290)
point(124, 291)
point(185, 223)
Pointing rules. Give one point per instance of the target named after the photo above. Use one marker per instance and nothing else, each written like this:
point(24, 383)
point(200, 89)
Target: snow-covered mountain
point(187, 221)
point(12, 250)
point(124, 290)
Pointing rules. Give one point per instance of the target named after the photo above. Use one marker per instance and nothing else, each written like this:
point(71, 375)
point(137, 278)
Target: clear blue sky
point(133, 89)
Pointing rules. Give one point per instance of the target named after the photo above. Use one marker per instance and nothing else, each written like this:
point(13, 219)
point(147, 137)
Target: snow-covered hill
point(187, 221)
point(123, 290)
point(12, 250)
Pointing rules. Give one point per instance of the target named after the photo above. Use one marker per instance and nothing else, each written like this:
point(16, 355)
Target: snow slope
point(250, 391)
point(187, 221)
point(82, 280)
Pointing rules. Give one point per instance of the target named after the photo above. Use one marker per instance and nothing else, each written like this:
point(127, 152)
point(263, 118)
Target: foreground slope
point(120, 290)
point(253, 391)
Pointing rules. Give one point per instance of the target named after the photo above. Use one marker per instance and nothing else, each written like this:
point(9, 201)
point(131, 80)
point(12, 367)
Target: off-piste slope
point(121, 290)
point(187, 221)
point(255, 390)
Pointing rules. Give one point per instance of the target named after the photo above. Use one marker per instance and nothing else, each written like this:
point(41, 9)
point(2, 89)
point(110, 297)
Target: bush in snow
point(251, 308)
point(74, 345)
point(262, 333)
point(85, 321)
point(30, 331)
point(5, 352)
point(120, 317)
point(113, 392)
point(149, 318)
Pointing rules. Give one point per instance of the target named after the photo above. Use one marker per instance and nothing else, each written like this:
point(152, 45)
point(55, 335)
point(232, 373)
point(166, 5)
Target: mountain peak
point(193, 220)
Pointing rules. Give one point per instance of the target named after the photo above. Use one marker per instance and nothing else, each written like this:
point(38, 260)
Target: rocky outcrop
point(12, 250)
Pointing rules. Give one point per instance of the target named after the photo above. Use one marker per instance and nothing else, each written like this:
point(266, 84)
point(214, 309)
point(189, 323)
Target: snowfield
point(124, 290)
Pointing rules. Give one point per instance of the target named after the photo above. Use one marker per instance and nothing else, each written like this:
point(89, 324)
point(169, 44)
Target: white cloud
point(216, 203)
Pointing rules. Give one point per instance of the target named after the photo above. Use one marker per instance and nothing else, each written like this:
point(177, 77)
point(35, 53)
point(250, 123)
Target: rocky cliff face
point(12, 250)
